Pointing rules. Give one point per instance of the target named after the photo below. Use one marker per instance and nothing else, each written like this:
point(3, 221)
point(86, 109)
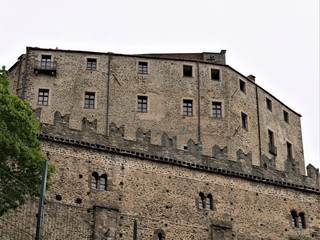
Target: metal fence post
point(41, 200)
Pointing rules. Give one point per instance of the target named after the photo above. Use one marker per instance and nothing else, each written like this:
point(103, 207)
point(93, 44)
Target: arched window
point(294, 221)
point(208, 205)
point(201, 200)
point(301, 220)
point(103, 182)
point(159, 234)
point(94, 180)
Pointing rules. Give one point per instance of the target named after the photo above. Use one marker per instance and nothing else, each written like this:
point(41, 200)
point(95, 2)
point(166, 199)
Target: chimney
point(252, 78)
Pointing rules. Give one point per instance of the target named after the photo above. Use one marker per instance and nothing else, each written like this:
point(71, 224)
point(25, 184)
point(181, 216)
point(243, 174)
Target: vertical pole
point(135, 231)
point(41, 200)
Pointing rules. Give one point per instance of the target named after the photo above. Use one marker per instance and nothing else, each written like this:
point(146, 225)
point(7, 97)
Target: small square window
point(187, 107)
point(242, 85)
point(43, 97)
point(215, 74)
point(187, 71)
point(244, 120)
point(46, 62)
point(269, 104)
point(216, 110)
point(286, 116)
point(91, 64)
point(143, 67)
point(89, 100)
point(142, 104)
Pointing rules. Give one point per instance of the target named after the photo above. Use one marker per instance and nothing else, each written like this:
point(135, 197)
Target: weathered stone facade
point(195, 152)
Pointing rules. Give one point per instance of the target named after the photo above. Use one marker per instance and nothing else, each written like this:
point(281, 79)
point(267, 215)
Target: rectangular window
point(269, 104)
point(91, 64)
point(244, 120)
point(43, 97)
point(289, 151)
point(89, 100)
point(187, 107)
point(215, 74)
point(142, 104)
point(143, 67)
point(272, 147)
point(286, 116)
point(46, 62)
point(216, 110)
point(187, 71)
point(242, 85)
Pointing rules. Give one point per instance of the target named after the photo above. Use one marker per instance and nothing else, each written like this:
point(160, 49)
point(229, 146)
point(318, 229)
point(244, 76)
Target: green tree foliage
point(21, 158)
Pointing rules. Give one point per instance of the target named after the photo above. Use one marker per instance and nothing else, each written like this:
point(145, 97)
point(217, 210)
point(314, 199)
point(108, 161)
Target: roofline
point(164, 58)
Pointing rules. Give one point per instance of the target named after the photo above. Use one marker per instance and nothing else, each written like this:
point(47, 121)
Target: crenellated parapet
point(191, 156)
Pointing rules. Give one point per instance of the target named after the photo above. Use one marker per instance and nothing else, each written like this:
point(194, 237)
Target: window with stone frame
point(242, 85)
point(187, 107)
point(142, 104)
point(91, 64)
point(244, 120)
point(269, 104)
point(215, 74)
point(286, 116)
point(98, 182)
point(43, 97)
point(142, 67)
point(89, 100)
point(46, 62)
point(272, 147)
point(216, 109)
point(187, 70)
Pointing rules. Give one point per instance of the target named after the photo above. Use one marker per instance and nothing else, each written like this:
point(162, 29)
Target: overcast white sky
point(275, 40)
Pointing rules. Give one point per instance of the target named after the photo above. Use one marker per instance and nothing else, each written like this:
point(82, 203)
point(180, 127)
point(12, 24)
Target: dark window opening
point(43, 97)
point(160, 236)
point(187, 71)
point(244, 120)
point(272, 147)
point(94, 180)
point(89, 100)
point(143, 67)
point(142, 104)
point(215, 74)
point(269, 104)
point(91, 64)
point(187, 107)
point(298, 220)
point(216, 110)
point(289, 151)
point(242, 85)
point(201, 200)
point(286, 116)
point(46, 62)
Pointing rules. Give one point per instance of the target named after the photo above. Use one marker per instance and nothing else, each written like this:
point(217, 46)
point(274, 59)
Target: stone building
point(183, 143)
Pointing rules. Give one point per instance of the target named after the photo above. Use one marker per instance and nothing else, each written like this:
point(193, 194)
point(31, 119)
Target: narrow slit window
point(244, 120)
point(286, 116)
point(272, 147)
point(289, 151)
